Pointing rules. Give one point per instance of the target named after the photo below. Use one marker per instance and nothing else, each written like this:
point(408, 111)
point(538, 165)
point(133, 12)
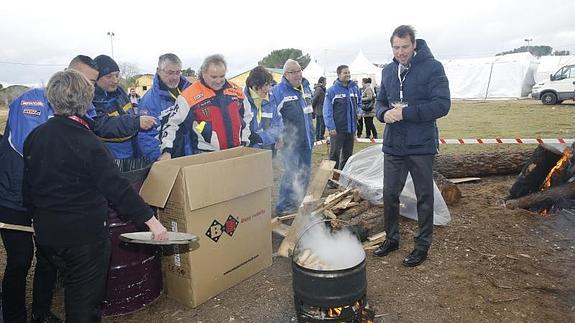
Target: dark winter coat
point(426, 90)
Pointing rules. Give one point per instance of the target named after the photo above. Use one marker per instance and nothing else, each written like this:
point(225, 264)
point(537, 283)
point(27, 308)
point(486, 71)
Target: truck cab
point(559, 87)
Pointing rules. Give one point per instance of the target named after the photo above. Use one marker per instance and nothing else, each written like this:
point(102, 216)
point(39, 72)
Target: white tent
point(498, 77)
point(361, 67)
point(313, 71)
point(550, 64)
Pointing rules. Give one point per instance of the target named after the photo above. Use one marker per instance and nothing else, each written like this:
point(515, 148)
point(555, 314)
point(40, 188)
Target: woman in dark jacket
point(69, 178)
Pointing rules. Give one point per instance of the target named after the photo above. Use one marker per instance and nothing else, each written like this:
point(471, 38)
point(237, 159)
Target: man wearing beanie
point(111, 99)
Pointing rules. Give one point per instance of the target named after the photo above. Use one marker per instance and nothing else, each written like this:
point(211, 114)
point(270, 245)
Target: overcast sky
point(45, 35)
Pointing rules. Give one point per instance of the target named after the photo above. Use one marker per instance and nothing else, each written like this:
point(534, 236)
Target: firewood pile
point(347, 209)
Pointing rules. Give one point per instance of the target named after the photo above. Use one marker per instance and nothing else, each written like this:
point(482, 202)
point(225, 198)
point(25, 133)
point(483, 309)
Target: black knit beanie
point(106, 65)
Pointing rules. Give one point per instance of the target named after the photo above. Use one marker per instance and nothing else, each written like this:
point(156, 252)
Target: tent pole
point(489, 81)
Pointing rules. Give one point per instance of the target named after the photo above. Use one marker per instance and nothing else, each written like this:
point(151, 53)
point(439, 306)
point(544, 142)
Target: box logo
point(216, 229)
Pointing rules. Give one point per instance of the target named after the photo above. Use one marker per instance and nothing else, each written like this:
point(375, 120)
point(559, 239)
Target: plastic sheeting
point(364, 171)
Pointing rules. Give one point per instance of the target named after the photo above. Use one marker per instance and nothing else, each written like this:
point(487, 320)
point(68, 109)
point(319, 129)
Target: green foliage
point(278, 57)
point(189, 72)
point(539, 50)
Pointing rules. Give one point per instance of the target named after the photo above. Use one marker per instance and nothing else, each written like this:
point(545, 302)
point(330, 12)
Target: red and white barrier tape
point(472, 141)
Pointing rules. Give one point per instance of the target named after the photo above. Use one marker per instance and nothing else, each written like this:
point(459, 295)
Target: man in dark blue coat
point(414, 93)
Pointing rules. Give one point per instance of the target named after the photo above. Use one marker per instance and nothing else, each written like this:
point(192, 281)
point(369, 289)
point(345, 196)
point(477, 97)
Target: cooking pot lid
point(146, 238)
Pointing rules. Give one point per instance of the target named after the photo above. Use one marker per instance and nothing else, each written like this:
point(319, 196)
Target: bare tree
point(128, 73)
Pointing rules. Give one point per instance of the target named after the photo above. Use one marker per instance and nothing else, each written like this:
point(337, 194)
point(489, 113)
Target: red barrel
point(135, 275)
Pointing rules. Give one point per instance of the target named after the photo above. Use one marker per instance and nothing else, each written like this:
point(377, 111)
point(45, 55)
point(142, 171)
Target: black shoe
point(46, 318)
point(385, 248)
point(415, 258)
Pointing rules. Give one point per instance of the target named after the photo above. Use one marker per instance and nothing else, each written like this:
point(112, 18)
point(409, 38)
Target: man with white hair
point(294, 100)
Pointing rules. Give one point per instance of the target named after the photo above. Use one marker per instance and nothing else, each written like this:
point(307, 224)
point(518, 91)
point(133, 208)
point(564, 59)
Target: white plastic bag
point(364, 171)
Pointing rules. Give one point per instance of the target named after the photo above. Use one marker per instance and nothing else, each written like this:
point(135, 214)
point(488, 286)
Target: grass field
point(497, 119)
point(484, 119)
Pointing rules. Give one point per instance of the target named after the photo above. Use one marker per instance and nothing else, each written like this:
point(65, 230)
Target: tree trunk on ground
point(544, 199)
point(450, 192)
point(481, 164)
point(372, 222)
point(354, 211)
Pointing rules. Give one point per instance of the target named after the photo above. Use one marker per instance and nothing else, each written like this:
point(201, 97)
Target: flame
point(567, 154)
point(334, 311)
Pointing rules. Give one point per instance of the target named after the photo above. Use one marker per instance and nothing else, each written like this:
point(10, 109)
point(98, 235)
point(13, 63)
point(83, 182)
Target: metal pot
point(328, 288)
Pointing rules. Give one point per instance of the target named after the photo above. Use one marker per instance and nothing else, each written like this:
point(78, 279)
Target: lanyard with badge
point(401, 74)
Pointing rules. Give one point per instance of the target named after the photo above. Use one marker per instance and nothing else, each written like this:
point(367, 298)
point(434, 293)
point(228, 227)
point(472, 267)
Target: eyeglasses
point(293, 72)
point(172, 73)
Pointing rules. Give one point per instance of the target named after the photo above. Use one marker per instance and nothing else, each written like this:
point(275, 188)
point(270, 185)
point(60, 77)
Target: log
point(354, 211)
point(544, 199)
point(481, 164)
point(372, 222)
point(450, 192)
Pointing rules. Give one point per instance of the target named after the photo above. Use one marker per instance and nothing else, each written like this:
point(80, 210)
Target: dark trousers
point(319, 128)
point(359, 126)
point(84, 270)
point(341, 147)
point(19, 248)
point(395, 169)
point(370, 128)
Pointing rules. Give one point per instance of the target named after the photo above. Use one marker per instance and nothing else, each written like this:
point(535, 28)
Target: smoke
point(299, 177)
point(338, 250)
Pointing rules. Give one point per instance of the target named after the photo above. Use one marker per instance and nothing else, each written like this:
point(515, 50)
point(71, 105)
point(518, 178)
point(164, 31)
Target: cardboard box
point(225, 199)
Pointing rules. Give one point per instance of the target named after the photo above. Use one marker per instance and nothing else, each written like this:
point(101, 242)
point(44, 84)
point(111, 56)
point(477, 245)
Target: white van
point(559, 87)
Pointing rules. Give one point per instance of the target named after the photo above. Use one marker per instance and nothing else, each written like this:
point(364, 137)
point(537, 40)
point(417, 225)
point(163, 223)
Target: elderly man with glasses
point(168, 84)
point(294, 99)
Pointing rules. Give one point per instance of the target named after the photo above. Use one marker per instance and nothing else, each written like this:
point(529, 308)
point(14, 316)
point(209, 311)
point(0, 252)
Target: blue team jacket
point(341, 106)
point(153, 103)
point(270, 126)
point(296, 110)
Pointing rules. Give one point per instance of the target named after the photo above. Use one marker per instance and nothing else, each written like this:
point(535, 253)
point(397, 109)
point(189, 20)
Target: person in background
point(294, 98)
point(69, 199)
point(359, 115)
point(317, 103)
point(168, 84)
point(266, 123)
point(27, 112)
point(210, 112)
point(410, 141)
point(340, 110)
point(134, 98)
point(110, 99)
point(367, 107)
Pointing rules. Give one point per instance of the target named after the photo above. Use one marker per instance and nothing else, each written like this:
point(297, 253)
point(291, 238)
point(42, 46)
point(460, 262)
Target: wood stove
point(331, 295)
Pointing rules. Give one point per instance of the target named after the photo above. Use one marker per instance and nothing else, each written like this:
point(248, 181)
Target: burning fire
point(559, 166)
point(567, 154)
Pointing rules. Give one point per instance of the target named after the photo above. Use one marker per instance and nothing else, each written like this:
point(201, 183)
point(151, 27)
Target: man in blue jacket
point(414, 93)
point(340, 108)
point(168, 84)
point(294, 98)
point(110, 99)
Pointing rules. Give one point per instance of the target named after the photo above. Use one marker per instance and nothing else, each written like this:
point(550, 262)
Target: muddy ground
point(489, 264)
